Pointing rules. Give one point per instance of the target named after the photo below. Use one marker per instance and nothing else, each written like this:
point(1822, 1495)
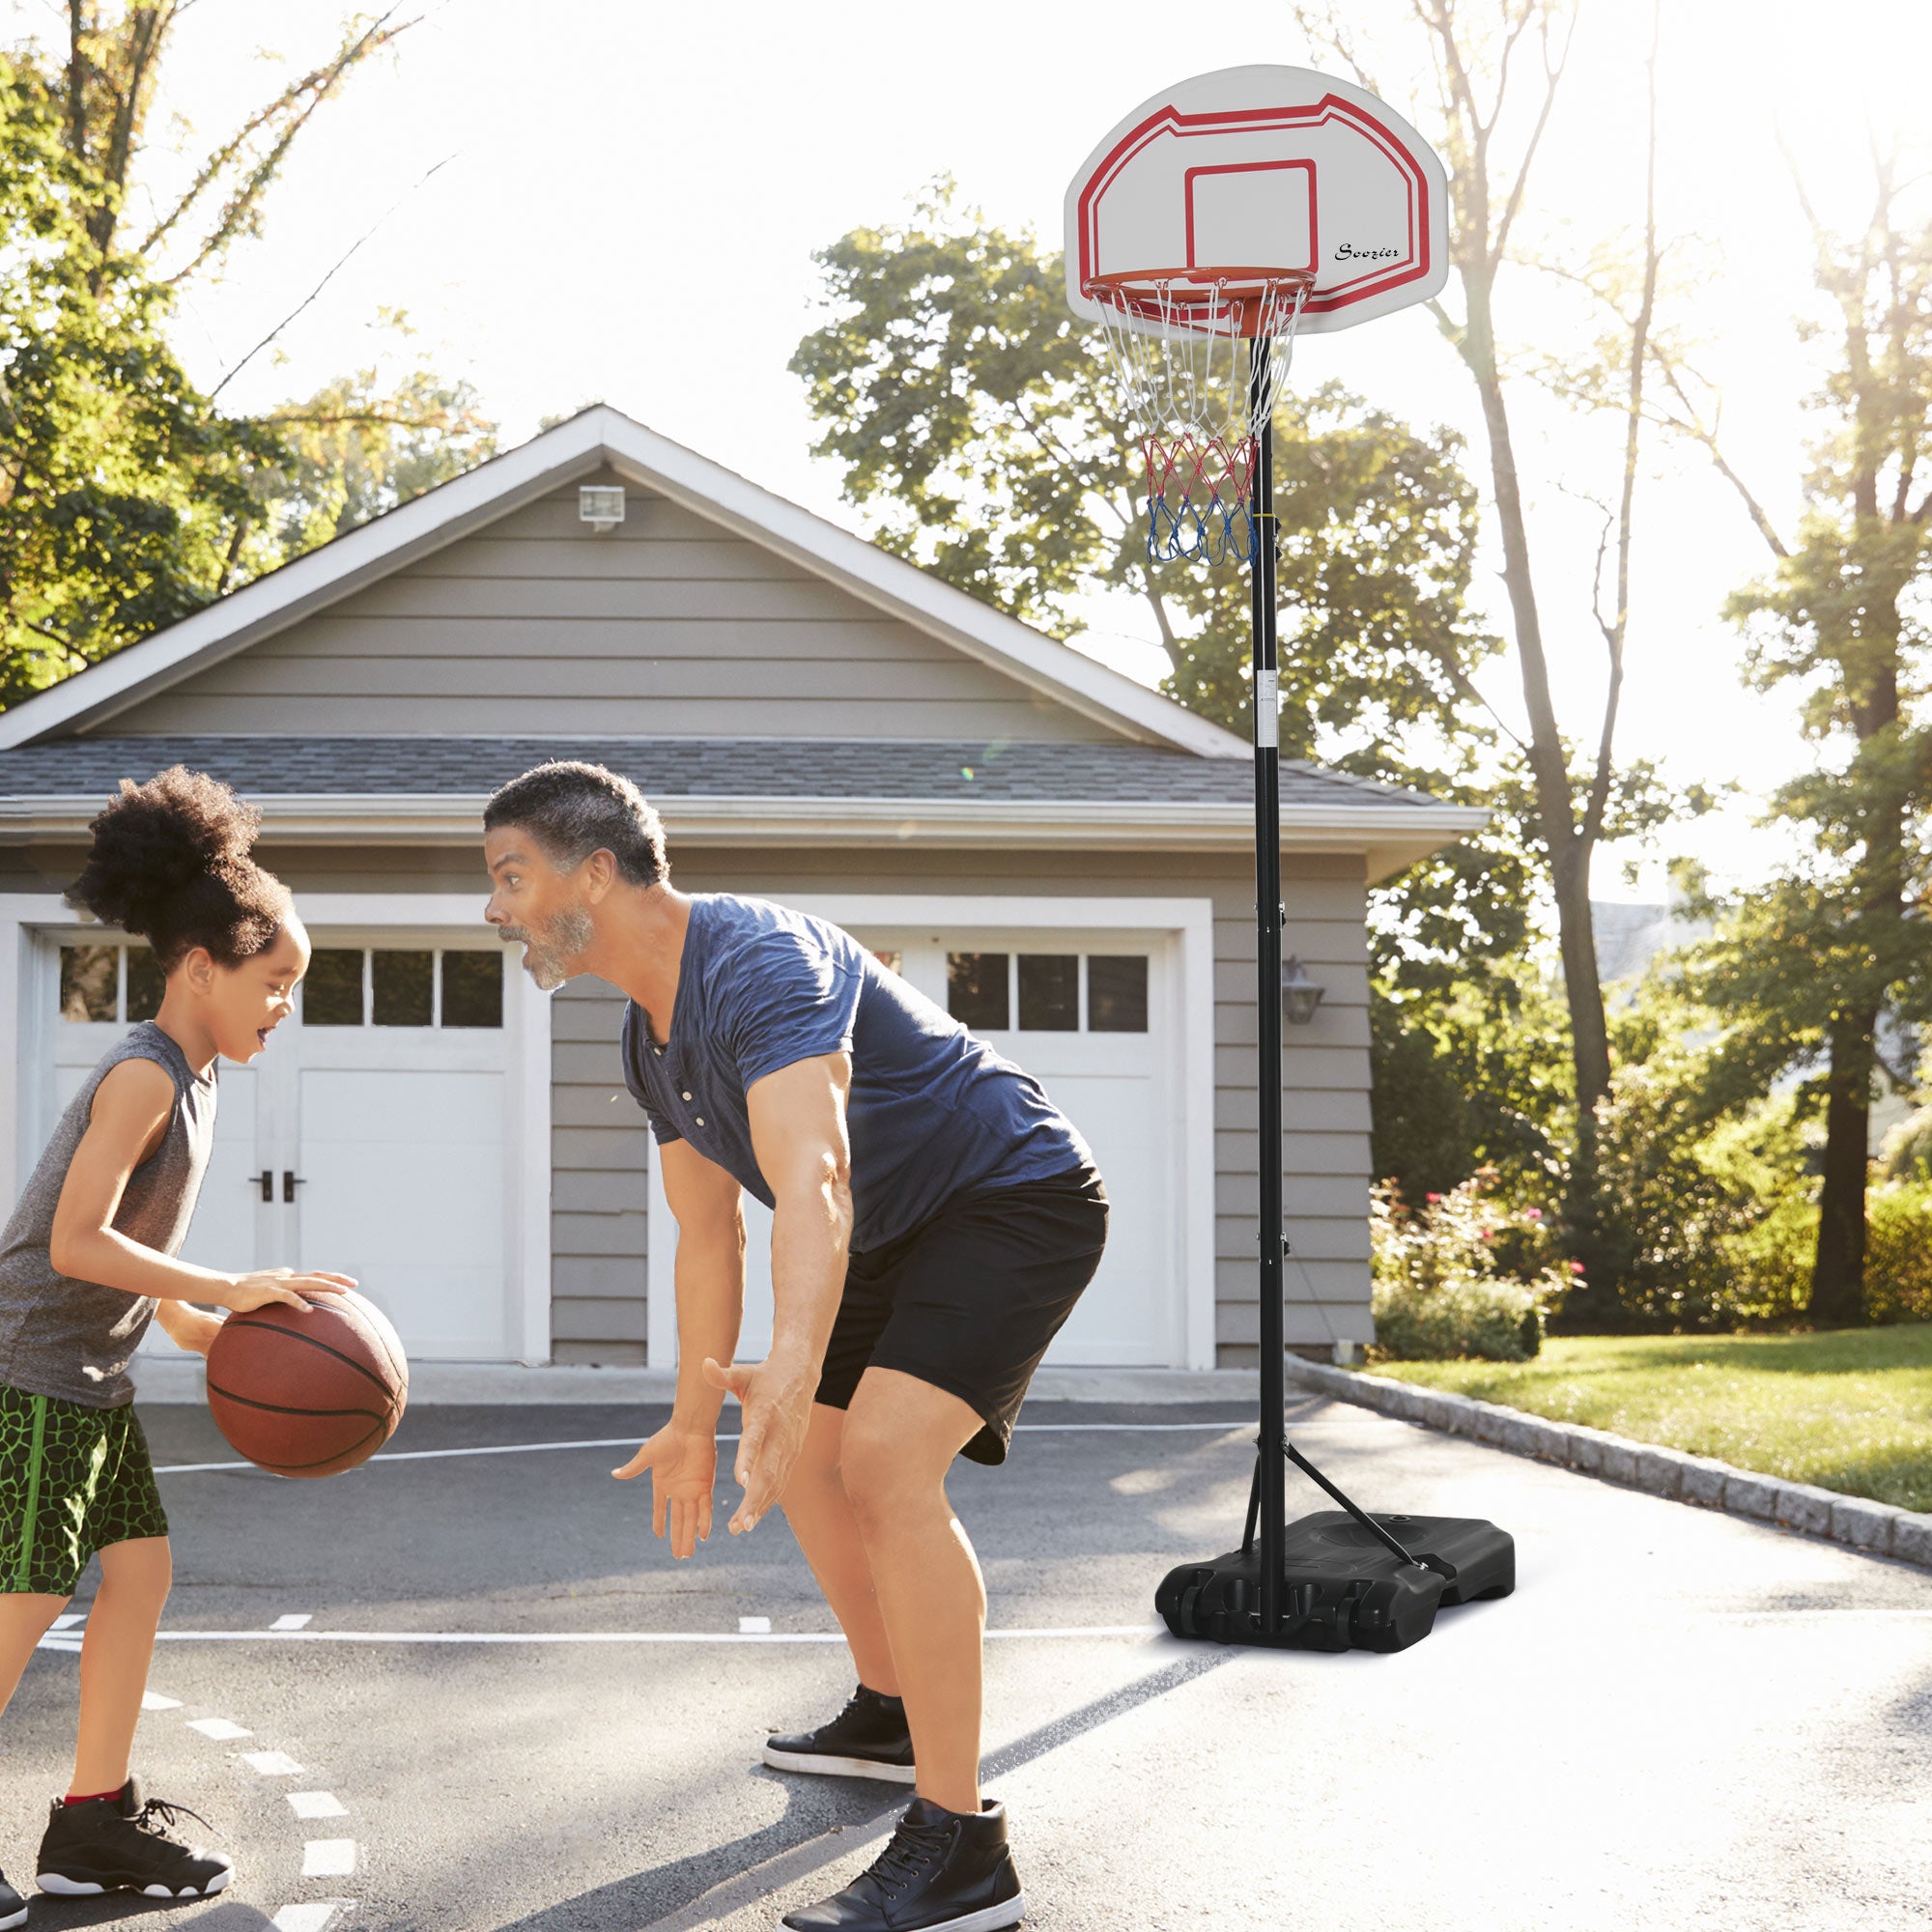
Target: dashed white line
point(317, 1804)
point(754, 1626)
point(152, 1700)
point(221, 1729)
point(312, 1915)
point(295, 1621)
point(271, 1764)
point(68, 1619)
point(328, 1857)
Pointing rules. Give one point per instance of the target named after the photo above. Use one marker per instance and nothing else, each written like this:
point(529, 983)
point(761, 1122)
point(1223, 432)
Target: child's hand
point(198, 1334)
point(262, 1285)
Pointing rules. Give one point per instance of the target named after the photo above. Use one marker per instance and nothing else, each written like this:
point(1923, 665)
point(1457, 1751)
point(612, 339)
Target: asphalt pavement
point(502, 1708)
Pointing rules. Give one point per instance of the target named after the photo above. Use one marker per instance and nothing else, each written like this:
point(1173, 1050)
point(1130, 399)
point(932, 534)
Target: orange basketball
point(308, 1395)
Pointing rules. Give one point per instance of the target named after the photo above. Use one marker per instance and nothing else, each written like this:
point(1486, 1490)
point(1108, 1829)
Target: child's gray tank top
point(73, 1339)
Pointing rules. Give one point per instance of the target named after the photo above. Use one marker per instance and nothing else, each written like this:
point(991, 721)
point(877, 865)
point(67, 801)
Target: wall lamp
point(601, 505)
point(1300, 994)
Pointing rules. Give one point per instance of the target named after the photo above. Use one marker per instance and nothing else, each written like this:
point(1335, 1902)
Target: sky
point(626, 198)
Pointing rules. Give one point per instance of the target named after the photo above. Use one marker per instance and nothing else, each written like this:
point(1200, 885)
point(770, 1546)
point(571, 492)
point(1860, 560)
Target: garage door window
point(403, 986)
point(109, 982)
point(987, 989)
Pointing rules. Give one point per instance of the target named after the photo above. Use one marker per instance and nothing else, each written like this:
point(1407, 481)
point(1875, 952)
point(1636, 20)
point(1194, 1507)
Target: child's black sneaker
point(124, 1843)
point(12, 1907)
point(943, 1872)
point(868, 1739)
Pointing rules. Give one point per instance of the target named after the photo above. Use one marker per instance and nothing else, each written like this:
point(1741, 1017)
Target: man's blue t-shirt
point(933, 1113)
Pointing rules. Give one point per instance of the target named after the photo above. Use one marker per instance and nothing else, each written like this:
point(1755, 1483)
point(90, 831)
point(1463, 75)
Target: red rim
point(1152, 295)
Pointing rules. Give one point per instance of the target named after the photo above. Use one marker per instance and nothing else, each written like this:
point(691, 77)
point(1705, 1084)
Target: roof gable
point(962, 669)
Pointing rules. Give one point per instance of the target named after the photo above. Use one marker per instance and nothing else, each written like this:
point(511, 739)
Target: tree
point(977, 424)
point(123, 491)
point(1490, 138)
point(106, 82)
point(128, 497)
point(1814, 960)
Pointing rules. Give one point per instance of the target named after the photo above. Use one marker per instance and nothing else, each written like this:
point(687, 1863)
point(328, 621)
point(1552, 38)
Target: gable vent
point(601, 505)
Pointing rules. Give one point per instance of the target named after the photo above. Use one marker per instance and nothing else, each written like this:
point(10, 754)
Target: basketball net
point(1174, 341)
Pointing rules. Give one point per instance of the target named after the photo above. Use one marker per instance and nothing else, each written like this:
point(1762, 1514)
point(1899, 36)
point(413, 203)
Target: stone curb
point(1876, 1528)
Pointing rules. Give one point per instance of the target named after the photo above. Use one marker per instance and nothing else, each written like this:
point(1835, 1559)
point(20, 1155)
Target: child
point(87, 1260)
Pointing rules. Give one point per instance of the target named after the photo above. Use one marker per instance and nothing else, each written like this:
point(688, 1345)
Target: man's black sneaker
point(12, 1907)
point(943, 1872)
point(124, 1843)
point(868, 1739)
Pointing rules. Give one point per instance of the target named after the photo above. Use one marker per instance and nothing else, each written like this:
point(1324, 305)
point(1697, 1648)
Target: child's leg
point(24, 1621)
point(114, 1657)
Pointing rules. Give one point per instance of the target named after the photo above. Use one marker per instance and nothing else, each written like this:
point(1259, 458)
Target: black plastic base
point(1342, 1588)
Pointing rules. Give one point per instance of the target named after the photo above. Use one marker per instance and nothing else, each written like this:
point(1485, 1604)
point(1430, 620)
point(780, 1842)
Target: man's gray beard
point(550, 952)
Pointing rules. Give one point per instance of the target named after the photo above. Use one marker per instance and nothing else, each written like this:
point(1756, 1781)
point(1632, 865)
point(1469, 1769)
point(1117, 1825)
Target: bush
point(1898, 1253)
point(1464, 1276)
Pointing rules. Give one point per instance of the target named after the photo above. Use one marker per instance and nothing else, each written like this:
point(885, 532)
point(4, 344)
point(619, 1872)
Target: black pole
point(1267, 983)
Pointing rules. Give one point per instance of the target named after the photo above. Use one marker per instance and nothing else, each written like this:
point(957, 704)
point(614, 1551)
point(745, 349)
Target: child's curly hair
point(170, 862)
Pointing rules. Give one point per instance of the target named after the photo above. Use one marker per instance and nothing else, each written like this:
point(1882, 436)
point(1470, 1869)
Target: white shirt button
point(701, 1120)
point(687, 1096)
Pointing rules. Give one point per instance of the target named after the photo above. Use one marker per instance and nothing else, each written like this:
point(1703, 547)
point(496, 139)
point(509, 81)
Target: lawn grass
point(1850, 1409)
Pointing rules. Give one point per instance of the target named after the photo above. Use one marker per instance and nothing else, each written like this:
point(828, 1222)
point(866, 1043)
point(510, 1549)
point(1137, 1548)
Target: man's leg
point(820, 1515)
point(900, 1437)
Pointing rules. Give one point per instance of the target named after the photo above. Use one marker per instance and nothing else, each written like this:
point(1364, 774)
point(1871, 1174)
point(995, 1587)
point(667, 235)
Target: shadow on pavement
point(685, 1894)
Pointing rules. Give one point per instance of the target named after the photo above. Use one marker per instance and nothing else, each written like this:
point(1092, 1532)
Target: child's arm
point(131, 1109)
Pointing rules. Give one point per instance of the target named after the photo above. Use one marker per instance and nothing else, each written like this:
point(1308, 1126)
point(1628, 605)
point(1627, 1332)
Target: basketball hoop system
point(1174, 341)
point(1266, 164)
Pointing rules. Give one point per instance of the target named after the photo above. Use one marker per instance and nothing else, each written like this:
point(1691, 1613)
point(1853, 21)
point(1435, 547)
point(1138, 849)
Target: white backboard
point(1276, 167)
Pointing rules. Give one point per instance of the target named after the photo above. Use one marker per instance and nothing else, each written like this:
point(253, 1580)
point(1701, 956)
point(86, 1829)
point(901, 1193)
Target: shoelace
point(912, 1848)
point(169, 1815)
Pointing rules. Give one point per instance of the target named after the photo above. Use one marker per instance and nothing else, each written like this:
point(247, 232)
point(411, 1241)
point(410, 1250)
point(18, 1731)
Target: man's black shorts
point(969, 1300)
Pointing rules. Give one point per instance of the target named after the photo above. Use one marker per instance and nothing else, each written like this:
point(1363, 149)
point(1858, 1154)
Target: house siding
point(667, 625)
point(598, 1218)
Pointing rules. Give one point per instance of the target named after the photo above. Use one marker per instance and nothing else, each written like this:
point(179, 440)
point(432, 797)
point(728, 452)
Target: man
point(935, 1219)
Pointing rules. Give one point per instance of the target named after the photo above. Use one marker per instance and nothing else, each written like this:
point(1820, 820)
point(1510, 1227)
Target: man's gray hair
point(573, 809)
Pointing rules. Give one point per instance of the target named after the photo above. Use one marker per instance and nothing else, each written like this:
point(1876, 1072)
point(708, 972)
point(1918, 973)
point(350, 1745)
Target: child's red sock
point(90, 1797)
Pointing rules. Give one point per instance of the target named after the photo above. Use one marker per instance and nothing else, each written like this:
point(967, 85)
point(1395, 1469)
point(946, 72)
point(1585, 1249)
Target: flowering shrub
point(1463, 1275)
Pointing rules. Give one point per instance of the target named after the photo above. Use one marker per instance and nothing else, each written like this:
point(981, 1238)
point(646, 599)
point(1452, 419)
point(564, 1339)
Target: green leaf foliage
point(123, 491)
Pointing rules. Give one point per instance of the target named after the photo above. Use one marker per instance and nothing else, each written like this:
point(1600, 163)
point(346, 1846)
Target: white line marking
point(328, 1857)
point(218, 1728)
point(152, 1700)
point(69, 1644)
point(69, 1620)
point(312, 1917)
point(317, 1804)
point(294, 1622)
point(271, 1764)
point(631, 1442)
point(596, 1637)
point(754, 1626)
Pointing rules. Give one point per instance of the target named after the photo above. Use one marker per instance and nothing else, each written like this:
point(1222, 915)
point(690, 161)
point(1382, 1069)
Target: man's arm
point(798, 1134)
point(710, 1274)
point(682, 1456)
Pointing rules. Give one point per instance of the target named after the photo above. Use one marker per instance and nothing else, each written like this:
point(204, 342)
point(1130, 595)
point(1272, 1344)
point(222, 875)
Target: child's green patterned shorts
point(73, 1481)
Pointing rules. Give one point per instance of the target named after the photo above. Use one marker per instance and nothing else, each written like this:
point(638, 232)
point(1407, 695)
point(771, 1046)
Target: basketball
point(308, 1395)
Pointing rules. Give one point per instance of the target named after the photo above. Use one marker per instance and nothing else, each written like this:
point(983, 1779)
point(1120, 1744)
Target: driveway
point(504, 1707)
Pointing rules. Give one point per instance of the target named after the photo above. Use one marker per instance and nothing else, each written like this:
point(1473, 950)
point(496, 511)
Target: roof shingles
point(459, 767)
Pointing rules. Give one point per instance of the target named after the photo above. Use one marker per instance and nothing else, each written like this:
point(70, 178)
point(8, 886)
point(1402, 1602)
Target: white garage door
point(369, 1140)
point(1090, 1016)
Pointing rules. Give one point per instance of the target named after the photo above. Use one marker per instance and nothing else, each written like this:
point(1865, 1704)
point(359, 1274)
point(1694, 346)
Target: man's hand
point(262, 1285)
point(777, 1401)
point(683, 1463)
